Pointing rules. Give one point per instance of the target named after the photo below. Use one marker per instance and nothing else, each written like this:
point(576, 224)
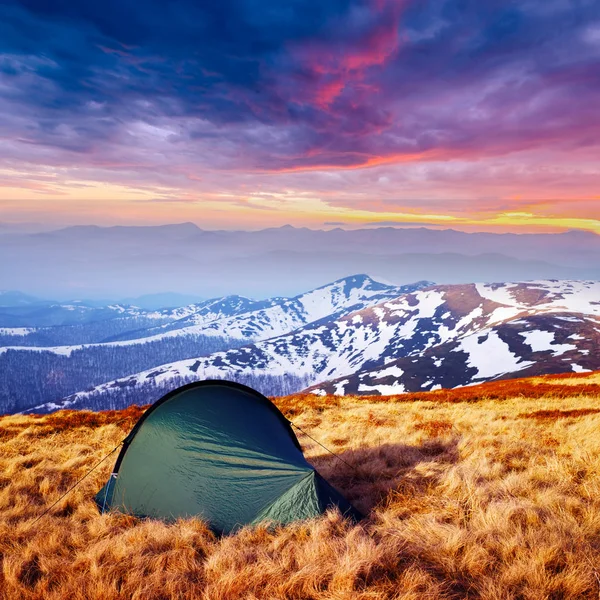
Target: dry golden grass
point(569, 379)
point(486, 492)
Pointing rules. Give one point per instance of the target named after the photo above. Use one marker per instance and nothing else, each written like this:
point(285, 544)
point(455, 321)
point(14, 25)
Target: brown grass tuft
point(485, 493)
point(551, 415)
point(435, 428)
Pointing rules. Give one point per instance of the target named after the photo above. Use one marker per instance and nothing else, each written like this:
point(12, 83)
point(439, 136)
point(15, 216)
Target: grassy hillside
point(488, 492)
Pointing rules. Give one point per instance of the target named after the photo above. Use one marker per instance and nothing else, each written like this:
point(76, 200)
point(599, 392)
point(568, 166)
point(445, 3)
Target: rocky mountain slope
point(500, 332)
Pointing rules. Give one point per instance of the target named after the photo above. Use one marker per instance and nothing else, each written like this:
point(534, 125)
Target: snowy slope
point(56, 313)
point(517, 329)
point(88, 324)
point(238, 318)
point(191, 319)
point(264, 319)
point(110, 350)
point(439, 336)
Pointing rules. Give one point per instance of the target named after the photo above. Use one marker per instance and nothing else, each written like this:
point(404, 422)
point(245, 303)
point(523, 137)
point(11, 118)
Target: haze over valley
point(124, 263)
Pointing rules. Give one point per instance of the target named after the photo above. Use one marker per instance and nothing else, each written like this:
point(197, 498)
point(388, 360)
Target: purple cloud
point(169, 94)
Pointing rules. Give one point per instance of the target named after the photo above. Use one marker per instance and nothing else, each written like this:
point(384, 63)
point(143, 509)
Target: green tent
point(220, 451)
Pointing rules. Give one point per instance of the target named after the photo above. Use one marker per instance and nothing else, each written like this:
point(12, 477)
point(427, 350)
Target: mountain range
point(86, 345)
point(353, 336)
point(128, 262)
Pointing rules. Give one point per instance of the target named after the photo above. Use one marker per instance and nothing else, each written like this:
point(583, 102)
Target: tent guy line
point(78, 482)
point(322, 445)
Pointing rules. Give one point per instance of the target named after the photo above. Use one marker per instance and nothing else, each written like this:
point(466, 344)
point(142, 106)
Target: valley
point(353, 336)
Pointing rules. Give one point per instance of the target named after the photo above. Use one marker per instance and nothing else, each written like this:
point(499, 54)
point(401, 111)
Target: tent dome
point(220, 451)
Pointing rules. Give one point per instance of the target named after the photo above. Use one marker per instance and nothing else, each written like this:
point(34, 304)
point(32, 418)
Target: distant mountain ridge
point(426, 338)
point(127, 262)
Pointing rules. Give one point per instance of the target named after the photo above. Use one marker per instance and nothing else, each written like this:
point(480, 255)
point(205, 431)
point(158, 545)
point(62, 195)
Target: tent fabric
point(220, 451)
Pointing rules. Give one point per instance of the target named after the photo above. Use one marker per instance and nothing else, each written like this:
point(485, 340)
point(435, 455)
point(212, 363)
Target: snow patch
point(60, 350)
point(492, 357)
point(339, 387)
point(542, 341)
point(20, 331)
point(428, 303)
point(500, 295)
point(502, 313)
point(384, 390)
point(393, 371)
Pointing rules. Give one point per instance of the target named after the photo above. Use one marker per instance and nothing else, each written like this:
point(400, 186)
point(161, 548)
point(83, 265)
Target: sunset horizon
point(531, 226)
point(465, 116)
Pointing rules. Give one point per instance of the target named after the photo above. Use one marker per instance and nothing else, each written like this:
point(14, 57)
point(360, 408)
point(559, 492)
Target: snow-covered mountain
point(515, 330)
point(254, 321)
point(15, 313)
point(135, 341)
point(47, 324)
point(437, 336)
point(240, 318)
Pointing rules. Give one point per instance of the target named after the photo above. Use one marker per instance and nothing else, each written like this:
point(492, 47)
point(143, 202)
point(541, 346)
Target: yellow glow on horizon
point(517, 215)
point(79, 201)
point(558, 222)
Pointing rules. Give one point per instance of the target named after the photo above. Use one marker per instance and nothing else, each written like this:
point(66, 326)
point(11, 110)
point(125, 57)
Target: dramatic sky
point(474, 114)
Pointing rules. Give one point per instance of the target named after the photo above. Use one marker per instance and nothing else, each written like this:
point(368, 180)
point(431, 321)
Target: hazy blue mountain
point(18, 299)
point(161, 299)
point(129, 262)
